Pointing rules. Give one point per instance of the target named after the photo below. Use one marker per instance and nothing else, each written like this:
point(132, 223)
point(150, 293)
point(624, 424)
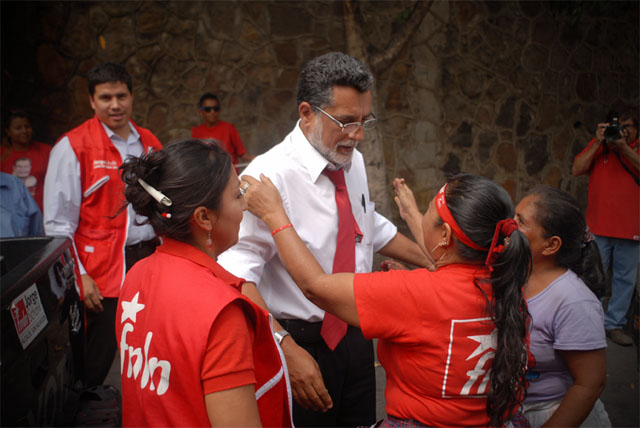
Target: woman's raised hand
point(405, 200)
point(264, 201)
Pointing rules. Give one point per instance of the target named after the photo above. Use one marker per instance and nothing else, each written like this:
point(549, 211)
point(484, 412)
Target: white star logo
point(130, 309)
point(486, 341)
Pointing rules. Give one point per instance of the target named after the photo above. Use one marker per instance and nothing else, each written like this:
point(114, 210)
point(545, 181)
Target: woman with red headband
point(452, 341)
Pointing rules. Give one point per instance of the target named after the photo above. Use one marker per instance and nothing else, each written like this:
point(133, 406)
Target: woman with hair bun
point(194, 351)
point(452, 341)
point(567, 336)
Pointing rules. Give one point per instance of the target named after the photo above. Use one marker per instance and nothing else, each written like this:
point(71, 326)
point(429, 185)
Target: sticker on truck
point(28, 315)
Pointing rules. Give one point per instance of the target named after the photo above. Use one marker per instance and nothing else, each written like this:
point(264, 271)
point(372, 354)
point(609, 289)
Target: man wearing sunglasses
point(213, 127)
point(321, 177)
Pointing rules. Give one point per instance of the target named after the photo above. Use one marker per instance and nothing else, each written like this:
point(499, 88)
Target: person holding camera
point(612, 161)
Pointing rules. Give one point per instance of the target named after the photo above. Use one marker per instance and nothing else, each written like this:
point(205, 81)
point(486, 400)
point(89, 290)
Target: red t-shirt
point(436, 341)
point(614, 196)
point(224, 132)
point(228, 361)
point(31, 166)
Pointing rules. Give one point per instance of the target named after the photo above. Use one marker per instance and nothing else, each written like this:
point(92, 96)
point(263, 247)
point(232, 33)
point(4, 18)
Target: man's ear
point(93, 105)
point(307, 116)
point(552, 246)
point(204, 218)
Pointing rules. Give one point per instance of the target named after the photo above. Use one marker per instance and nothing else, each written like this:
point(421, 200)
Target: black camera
point(613, 132)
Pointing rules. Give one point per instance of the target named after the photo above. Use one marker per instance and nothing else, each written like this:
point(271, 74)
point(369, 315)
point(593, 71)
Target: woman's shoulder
point(570, 286)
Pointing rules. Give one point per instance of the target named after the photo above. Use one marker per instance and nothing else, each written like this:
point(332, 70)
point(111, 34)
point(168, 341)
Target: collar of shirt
point(189, 252)
point(309, 157)
point(134, 137)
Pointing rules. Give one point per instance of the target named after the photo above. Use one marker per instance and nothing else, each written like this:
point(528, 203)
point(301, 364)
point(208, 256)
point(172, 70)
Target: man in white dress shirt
point(83, 192)
point(330, 387)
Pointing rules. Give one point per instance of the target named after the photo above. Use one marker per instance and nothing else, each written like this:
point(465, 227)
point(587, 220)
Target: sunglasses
point(208, 109)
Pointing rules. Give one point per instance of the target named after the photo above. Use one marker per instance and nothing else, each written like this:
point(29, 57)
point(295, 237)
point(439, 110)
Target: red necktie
point(333, 329)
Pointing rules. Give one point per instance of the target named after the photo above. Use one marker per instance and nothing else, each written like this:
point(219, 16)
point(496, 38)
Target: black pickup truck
point(42, 340)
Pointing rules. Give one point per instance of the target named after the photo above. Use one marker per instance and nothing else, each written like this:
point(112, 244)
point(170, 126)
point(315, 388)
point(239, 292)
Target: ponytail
point(589, 268)
point(483, 213)
point(508, 309)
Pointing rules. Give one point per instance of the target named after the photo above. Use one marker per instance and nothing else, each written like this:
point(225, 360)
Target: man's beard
point(332, 155)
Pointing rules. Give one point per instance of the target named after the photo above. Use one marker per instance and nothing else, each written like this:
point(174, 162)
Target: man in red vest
point(82, 195)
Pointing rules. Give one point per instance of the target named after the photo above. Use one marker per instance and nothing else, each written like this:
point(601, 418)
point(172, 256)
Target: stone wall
point(510, 90)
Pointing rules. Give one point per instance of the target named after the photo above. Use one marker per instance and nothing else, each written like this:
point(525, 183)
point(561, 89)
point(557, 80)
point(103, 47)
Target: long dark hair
point(191, 173)
point(477, 205)
point(558, 214)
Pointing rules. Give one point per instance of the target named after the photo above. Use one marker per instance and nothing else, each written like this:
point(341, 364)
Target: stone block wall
point(510, 90)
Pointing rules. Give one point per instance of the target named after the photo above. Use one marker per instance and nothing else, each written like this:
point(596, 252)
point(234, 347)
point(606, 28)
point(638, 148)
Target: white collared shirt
point(295, 167)
point(63, 193)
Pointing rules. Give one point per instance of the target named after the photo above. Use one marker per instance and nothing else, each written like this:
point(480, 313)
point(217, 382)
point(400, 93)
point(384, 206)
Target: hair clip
point(166, 215)
point(155, 194)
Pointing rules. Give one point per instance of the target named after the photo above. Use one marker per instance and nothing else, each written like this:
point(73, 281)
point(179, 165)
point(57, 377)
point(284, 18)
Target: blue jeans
point(623, 256)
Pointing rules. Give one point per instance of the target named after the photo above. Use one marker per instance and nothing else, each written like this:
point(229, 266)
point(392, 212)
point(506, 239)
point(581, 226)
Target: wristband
point(281, 228)
point(280, 335)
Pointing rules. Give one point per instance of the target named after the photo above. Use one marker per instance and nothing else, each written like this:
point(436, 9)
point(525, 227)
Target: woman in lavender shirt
point(567, 336)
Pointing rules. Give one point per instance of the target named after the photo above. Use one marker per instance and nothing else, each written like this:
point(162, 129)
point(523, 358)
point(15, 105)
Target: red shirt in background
point(31, 166)
point(224, 132)
point(614, 196)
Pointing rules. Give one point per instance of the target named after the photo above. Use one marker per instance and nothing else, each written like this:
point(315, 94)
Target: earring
point(444, 255)
point(209, 241)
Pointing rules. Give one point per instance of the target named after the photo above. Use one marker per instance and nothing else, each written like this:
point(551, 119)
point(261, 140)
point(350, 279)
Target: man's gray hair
point(334, 68)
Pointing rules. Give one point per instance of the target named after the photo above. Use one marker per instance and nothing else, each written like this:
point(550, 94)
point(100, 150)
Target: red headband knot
point(503, 228)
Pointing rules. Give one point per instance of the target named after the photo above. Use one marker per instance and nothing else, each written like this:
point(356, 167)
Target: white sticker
point(28, 315)
point(89, 249)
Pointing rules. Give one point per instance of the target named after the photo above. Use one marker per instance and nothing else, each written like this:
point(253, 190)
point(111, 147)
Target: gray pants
point(538, 413)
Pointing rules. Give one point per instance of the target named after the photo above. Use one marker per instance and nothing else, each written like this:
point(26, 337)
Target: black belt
point(302, 330)
point(135, 252)
point(144, 245)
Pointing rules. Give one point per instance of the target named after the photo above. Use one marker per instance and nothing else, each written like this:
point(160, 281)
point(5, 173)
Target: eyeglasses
point(350, 128)
point(208, 109)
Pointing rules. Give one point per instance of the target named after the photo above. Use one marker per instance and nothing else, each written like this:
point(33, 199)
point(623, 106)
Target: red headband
point(504, 227)
point(445, 215)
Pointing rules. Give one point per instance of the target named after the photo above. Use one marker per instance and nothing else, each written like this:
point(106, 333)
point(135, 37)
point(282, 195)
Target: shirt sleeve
point(36, 227)
point(579, 326)
point(385, 302)
point(384, 232)
point(598, 152)
point(62, 192)
point(237, 142)
point(228, 361)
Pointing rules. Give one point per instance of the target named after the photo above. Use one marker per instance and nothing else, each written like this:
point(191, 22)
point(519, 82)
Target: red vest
point(99, 238)
point(176, 300)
